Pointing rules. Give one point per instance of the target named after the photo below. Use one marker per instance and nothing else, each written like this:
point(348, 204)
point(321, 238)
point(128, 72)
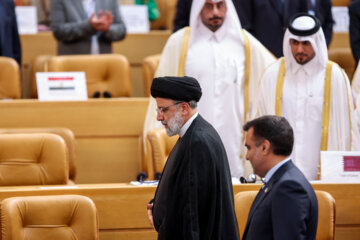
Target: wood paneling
point(108, 132)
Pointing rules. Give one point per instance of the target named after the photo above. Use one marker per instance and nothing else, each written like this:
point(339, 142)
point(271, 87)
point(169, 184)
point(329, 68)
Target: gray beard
point(174, 125)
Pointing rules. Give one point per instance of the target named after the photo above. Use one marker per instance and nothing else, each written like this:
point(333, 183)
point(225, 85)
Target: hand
point(102, 22)
point(150, 215)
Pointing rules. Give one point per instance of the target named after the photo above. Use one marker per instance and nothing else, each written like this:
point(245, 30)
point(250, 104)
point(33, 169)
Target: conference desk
point(108, 132)
point(122, 207)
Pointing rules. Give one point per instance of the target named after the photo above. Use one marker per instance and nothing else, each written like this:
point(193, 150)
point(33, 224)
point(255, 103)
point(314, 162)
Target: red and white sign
point(61, 86)
point(340, 166)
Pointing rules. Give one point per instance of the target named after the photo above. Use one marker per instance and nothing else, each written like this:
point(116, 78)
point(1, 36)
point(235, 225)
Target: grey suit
point(72, 29)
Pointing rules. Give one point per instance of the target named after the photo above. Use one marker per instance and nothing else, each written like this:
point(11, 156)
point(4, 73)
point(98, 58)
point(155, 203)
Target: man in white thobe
point(228, 63)
point(312, 93)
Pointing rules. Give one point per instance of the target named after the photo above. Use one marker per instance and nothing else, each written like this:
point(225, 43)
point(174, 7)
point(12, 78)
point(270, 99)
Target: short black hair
point(276, 130)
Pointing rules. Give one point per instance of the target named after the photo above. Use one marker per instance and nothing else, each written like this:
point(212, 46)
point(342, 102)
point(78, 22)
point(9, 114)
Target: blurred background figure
point(87, 26)
point(354, 29)
point(9, 36)
point(267, 19)
point(43, 14)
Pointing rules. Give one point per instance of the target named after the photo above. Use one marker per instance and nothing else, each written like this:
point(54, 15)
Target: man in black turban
point(194, 198)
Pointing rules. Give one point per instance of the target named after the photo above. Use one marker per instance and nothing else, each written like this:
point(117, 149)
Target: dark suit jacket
point(287, 209)
point(9, 35)
point(194, 198)
point(72, 28)
point(266, 21)
point(354, 28)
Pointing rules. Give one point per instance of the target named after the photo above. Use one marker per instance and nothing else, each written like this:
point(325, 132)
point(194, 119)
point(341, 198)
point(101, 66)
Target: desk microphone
point(141, 177)
point(157, 175)
point(250, 179)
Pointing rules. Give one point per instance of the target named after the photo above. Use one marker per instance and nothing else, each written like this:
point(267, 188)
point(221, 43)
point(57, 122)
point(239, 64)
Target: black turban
point(176, 88)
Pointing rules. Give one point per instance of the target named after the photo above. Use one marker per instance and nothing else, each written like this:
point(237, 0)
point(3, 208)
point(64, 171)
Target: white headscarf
point(231, 22)
point(317, 41)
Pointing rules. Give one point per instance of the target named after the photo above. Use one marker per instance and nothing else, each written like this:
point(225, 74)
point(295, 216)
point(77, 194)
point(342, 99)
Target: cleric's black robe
point(194, 198)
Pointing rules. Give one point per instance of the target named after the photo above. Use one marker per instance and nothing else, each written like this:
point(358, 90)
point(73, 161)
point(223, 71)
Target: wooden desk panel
point(108, 132)
point(122, 207)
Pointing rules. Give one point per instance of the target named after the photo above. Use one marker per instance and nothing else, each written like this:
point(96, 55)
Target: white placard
point(26, 18)
point(135, 18)
point(340, 166)
point(61, 86)
point(341, 19)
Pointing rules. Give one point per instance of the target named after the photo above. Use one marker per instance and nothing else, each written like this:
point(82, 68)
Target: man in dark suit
point(266, 20)
point(194, 198)
point(9, 36)
point(354, 29)
point(286, 206)
point(86, 26)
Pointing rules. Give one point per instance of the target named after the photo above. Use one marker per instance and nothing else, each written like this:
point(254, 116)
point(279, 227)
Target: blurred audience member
point(9, 36)
point(43, 14)
point(87, 26)
point(354, 29)
point(267, 19)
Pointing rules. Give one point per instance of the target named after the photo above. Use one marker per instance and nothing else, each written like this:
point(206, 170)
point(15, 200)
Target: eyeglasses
point(162, 110)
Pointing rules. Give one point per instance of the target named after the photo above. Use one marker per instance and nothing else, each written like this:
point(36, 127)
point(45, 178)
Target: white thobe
point(302, 105)
point(303, 95)
point(217, 62)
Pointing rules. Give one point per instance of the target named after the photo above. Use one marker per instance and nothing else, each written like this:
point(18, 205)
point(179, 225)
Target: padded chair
point(160, 146)
point(56, 217)
point(326, 218)
point(149, 66)
point(40, 64)
point(167, 10)
point(344, 58)
point(104, 72)
point(65, 133)
point(9, 78)
point(33, 159)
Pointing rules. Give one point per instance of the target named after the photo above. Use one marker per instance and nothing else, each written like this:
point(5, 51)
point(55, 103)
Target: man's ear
point(185, 108)
point(266, 147)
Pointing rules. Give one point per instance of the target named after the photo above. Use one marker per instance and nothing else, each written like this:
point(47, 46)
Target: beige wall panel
point(137, 46)
point(108, 160)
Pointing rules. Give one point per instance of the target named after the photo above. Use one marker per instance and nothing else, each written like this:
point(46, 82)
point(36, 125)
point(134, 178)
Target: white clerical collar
point(185, 127)
point(271, 172)
point(206, 33)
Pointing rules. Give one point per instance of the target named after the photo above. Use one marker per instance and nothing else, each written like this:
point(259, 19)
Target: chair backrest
point(65, 133)
point(56, 217)
point(160, 147)
point(326, 218)
point(32, 159)
point(9, 78)
point(344, 58)
point(40, 64)
point(167, 9)
point(149, 66)
point(104, 72)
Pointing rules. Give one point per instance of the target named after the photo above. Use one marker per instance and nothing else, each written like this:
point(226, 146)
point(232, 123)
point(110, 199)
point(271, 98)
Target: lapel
point(276, 6)
point(80, 8)
point(264, 192)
